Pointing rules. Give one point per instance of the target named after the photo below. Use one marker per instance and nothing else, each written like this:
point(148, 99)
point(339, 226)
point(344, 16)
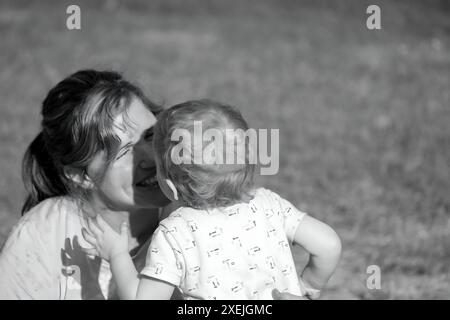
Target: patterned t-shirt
point(237, 252)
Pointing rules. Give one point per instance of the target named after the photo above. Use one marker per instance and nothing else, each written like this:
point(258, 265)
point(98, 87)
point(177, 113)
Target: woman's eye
point(148, 136)
point(122, 154)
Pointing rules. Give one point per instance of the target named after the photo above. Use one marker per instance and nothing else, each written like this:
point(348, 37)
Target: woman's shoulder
point(55, 208)
point(31, 256)
point(46, 217)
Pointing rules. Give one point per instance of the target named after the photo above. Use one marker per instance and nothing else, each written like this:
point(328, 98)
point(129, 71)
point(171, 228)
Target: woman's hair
point(203, 184)
point(77, 123)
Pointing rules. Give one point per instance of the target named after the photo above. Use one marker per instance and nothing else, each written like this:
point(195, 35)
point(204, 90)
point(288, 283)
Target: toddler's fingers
point(90, 251)
point(96, 231)
point(124, 229)
point(103, 225)
point(88, 237)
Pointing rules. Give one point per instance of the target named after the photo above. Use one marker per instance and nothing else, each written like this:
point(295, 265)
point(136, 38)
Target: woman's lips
point(149, 181)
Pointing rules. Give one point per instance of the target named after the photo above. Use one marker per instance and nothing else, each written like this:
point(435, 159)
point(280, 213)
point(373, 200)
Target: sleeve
point(290, 216)
point(164, 257)
point(25, 266)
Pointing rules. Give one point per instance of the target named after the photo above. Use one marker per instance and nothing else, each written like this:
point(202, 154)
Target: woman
point(92, 156)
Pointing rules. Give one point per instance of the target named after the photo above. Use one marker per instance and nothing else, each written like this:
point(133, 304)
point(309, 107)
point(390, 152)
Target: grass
point(363, 115)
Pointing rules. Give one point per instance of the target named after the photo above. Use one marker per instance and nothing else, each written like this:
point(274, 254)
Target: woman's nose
point(145, 155)
point(146, 164)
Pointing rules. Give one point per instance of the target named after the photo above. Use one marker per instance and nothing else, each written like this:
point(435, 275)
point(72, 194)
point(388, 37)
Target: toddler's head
point(193, 143)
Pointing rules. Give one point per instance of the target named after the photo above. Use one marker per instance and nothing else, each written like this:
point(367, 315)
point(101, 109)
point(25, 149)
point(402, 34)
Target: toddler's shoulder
point(270, 200)
point(266, 195)
point(179, 219)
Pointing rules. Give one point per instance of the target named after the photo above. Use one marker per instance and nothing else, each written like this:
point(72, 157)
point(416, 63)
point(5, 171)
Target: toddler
point(227, 239)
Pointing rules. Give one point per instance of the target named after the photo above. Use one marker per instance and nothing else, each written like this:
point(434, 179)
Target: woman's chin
point(150, 197)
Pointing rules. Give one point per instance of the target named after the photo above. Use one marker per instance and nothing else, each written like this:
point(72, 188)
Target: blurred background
point(363, 115)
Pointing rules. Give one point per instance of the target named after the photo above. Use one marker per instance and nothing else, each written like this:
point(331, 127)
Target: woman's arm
point(324, 246)
point(125, 276)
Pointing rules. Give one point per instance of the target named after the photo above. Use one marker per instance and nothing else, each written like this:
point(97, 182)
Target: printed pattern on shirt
point(237, 252)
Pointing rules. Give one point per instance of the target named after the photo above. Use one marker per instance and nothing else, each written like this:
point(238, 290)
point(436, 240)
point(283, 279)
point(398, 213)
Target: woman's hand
point(308, 293)
point(106, 242)
point(277, 295)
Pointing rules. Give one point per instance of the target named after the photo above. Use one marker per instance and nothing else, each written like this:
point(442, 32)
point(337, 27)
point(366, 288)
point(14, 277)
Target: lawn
point(363, 114)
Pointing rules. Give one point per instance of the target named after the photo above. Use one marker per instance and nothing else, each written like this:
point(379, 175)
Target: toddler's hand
point(107, 242)
point(277, 295)
point(308, 291)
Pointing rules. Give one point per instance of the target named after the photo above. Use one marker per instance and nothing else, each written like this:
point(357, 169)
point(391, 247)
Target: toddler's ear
point(172, 188)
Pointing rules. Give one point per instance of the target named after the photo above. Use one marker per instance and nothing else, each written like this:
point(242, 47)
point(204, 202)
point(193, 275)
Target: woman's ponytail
point(40, 175)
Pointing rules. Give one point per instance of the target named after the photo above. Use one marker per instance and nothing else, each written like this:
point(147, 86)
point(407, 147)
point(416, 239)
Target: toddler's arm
point(152, 289)
point(324, 246)
point(113, 247)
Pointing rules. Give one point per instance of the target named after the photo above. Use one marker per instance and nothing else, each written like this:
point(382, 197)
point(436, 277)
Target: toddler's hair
point(204, 185)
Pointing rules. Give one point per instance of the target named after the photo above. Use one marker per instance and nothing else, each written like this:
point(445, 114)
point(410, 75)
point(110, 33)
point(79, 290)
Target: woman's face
point(129, 181)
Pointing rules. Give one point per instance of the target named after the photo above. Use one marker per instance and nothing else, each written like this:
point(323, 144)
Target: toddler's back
point(238, 252)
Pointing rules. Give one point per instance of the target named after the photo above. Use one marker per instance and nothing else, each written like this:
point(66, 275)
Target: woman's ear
point(79, 177)
point(172, 188)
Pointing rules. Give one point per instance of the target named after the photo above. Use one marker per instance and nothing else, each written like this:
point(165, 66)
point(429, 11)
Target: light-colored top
point(42, 257)
point(236, 252)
